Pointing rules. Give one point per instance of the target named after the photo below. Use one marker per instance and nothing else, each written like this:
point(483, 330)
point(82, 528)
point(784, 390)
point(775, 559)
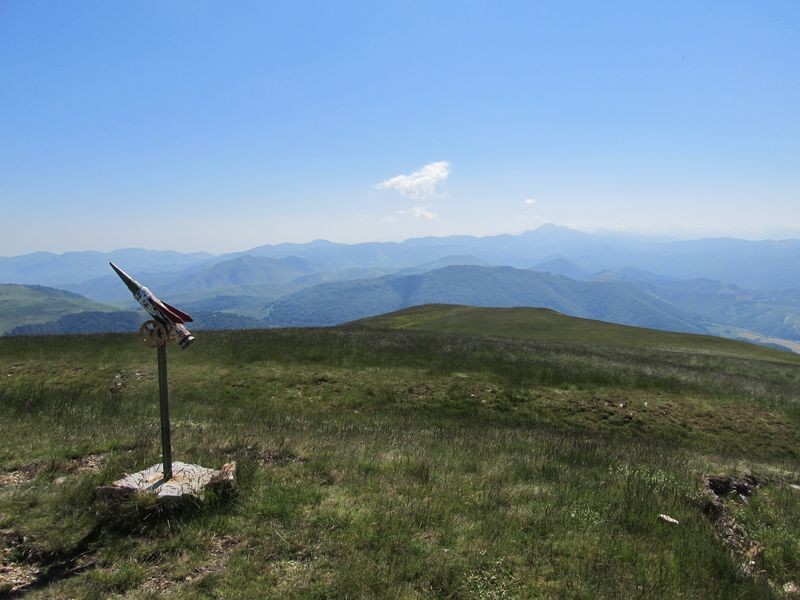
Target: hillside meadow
point(35, 304)
point(437, 453)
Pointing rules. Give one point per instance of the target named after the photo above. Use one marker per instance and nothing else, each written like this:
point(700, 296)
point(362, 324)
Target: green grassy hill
point(387, 461)
point(544, 325)
point(33, 304)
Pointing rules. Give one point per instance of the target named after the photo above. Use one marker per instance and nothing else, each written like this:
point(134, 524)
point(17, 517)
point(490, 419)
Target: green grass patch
point(400, 464)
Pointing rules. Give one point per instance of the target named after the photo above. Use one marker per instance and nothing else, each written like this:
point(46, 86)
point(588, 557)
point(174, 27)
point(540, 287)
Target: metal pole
point(166, 445)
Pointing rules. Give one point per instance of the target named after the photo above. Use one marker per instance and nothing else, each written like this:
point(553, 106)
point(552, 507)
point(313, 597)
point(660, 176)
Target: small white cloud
point(422, 212)
point(420, 184)
point(419, 212)
point(530, 201)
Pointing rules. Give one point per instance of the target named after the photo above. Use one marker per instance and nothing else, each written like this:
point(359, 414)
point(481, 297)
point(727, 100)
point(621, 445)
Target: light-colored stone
point(187, 479)
point(668, 519)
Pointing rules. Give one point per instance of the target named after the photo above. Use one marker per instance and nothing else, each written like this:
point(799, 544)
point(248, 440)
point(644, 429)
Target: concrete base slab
point(187, 480)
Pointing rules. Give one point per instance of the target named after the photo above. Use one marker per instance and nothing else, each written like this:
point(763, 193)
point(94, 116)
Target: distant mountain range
point(750, 264)
point(736, 287)
point(58, 270)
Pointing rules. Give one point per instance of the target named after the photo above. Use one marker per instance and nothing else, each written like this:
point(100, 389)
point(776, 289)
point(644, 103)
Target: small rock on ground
point(668, 519)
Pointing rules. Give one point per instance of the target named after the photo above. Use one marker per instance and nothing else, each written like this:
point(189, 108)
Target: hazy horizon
point(200, 127)
point(654, 237)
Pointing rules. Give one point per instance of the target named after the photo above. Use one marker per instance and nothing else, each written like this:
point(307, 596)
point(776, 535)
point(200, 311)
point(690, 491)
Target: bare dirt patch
point(14, 574)
point(278, 456)
point(717, 489)
point(221, 547)
point(91, 463)
point(17, 369)
point(122, 378)
point(19, 476)
point(265, 456)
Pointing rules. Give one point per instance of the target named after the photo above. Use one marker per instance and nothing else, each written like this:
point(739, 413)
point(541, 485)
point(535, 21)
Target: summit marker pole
point(163, 393)
point(167, 324)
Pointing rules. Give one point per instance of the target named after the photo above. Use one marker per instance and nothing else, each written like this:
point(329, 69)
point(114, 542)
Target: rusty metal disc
point(153, 334)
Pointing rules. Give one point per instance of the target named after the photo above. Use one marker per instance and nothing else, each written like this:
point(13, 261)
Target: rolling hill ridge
point(548, 326)
point(28, 304)
point(339, 302)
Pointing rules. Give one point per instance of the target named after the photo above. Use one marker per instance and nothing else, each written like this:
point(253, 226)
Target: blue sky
point(219, 126)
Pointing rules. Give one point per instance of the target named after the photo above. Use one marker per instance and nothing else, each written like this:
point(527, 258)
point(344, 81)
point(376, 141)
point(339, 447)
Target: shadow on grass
point(136, 516)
